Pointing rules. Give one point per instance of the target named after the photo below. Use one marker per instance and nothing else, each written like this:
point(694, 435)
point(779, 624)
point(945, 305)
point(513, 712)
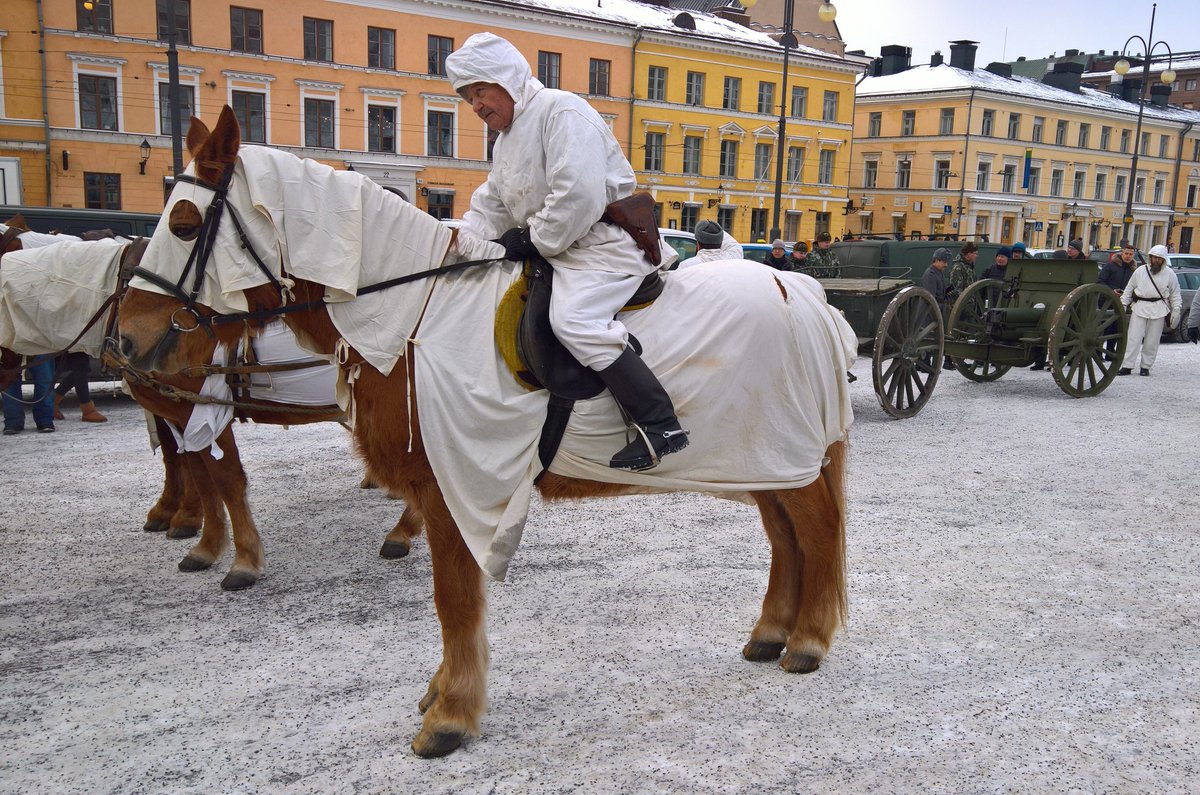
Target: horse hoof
point(238, 580)
point(367, 483)
point(155, 526)
point(800, 663)
point(193, 563)
point(183, 531)
point(394, 550)
point(761, 651)
point(431, 745)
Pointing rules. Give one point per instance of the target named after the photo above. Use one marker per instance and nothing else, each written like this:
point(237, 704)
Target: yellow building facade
point(360, 84)
point(946, 150)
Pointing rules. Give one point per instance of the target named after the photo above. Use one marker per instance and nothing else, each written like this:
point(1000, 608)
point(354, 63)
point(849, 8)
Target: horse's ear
point(226, 137)
point(197, 135)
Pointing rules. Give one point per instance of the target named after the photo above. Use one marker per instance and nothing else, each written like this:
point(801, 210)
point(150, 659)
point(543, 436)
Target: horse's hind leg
point(214, 535)
point(770, 634)
point(398, 543)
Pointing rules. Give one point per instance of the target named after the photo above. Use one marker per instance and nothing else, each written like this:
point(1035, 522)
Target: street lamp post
point(1121, 67)
point(827, 13)
point(173, 91)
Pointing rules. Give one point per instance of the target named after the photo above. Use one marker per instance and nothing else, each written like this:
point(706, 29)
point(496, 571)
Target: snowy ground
point(1024, 617)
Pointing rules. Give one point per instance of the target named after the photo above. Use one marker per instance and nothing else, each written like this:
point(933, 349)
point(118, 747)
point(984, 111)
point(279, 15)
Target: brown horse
point(805, 601)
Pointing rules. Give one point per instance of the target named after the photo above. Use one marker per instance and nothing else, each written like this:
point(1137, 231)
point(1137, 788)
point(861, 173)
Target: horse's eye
point(185, 220)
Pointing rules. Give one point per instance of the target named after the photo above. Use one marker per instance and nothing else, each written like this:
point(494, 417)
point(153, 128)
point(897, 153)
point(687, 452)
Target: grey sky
point(1035, 28)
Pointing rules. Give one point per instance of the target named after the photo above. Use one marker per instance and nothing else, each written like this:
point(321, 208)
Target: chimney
point(1065, 75)
point(1070, 53)
point(1159, 95)
point(894, 59)
point(936, 59)
point(1020, 59)
point(1130, 89)
point(962, 54)
point(998, 68)
point(733, 15)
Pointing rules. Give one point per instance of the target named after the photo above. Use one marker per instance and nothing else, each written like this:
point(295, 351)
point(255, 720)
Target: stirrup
point(676, 440)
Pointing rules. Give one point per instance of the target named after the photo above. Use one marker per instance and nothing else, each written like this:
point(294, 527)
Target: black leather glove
point(1194, 334)
point(517, 245)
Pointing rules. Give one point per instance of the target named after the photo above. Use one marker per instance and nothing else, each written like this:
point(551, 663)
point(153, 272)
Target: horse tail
point(834, 475)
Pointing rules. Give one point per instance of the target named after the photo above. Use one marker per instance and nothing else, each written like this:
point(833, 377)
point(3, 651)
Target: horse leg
point(191, 514)
point(229, 481)
point(778, 616)
point(818, 514)
point(214, 536)
point(457, 694)
point(398, 543)
point(162, 515)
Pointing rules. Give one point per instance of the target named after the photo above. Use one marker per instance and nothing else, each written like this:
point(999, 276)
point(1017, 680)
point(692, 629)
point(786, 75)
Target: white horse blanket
point(48, 293)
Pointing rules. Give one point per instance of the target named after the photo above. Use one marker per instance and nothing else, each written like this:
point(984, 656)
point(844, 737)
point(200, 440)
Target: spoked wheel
point(966, 323)
point(908, 352)
point(1082, 324)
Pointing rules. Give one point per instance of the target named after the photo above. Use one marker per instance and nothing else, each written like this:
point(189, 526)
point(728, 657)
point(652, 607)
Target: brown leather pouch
point(635, 214)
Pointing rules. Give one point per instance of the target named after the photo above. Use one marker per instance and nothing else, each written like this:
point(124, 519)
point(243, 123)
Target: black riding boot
point(648, 405)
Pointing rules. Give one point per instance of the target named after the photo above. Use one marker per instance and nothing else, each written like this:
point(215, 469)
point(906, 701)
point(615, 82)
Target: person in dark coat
point(997, 270)
point(1075, 250)
point(934, 280)
point(778, 258)
point(1115, 274)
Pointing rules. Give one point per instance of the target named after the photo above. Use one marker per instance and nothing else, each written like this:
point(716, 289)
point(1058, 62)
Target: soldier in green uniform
point(962, 272)
point(822, 262)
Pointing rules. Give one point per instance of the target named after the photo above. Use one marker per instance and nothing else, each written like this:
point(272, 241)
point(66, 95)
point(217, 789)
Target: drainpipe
point(1175, 177)
point(962, 183)
point(45, 101)
point(632, 94)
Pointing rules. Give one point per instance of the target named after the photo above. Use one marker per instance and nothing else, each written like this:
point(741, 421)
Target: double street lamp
point(1121, 67)
point(827, 13)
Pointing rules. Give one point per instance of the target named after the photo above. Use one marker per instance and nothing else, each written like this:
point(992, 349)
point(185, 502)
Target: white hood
point(487, 58)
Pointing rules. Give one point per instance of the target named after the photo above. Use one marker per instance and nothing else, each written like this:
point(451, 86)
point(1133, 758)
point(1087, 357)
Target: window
point(946, 125)
point(729, 155)
point(318, 39)
point(1120, 191)
point(1060, 133)
point(1125, 141)
point(762, 160)
point(1144, 146)
point(983, 177)
point(598, 74)
point(97, 102)
point(1163, 145)
point(1101, 179)
point(1191, 196)
point(725, 217)
point(1105, 137)
point(656, 84)
point(102, 191)
point(791, 225)
point(655, 142)
point(1189, 85)
point(903, 173)
point(1008, 178)
point(249, 107)
point(694, 88)
point(758, 223)
point(1077, 184)
point(870, 173)
point(766, 97)
point(941, 174)
point(441, 204)
point(795, 164)
point(318, 122)
point(829, 107)
point(799, 102)
point(908, 122)
point(1056, 182)
point(381, 129)
point(731, 96)
point(183, 20)
point(1085, 132)
point(381, 48)
point(989, 118)
point(874, 123)
point(438, 48)
point(1039, 124)
point(245, 29)
point(187, 108)
point(821, 222)
point(692, 146)
point(549, 68)
point(1158, 191)
point(1196, 150)
point(1139, 189)
point(1035, 176)
point(1014, 126)
point(439, 133)
point(689, 217)
point(97, 20)
point(825, 167)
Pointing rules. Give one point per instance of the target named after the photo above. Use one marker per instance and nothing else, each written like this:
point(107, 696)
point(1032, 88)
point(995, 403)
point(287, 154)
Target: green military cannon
point(1042, 308)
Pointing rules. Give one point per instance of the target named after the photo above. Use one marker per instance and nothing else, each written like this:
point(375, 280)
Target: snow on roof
point(1178, 64)
point(659, 18)
point(921, 79)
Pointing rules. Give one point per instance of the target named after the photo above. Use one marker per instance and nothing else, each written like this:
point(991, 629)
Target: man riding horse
point(556, 166)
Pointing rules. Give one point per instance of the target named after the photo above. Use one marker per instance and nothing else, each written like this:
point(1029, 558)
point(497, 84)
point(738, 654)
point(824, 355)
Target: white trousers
point(1144, 334)
point(582, 307)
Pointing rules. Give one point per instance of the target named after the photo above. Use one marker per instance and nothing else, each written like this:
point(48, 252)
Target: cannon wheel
point(908, 352)
point(966, 322)
point(1077, 336)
